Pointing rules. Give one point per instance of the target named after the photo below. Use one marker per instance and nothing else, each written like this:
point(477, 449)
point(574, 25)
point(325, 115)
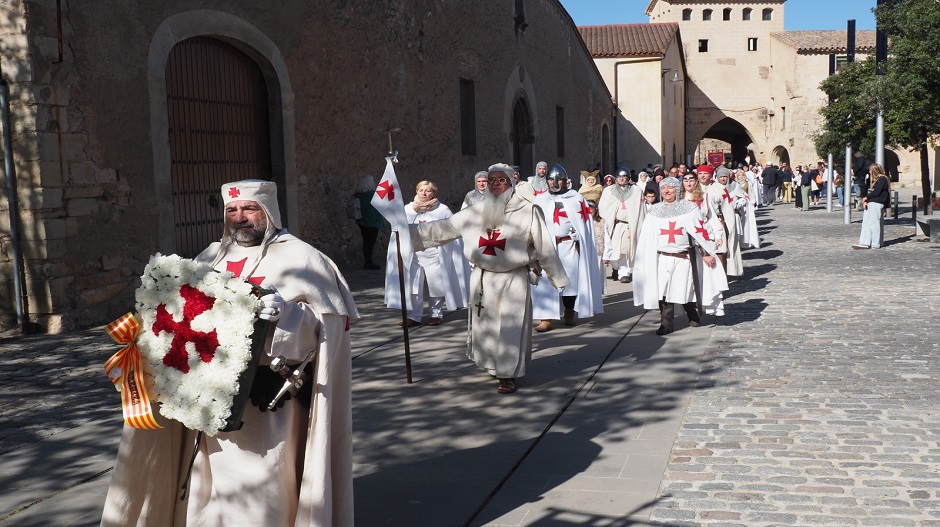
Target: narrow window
point(726, 14)
point(560, 129)
point(707, 14)
point(519, 15)
point(752, 44)
point(686, 14)
point(468, 118)
point(767, 14)
point(703, 45)
point(746, 13)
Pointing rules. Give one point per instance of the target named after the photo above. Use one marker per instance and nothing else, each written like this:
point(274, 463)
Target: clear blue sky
point(799, 14)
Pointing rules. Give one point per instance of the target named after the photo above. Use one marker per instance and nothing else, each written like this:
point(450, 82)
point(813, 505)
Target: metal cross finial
point(390, 131)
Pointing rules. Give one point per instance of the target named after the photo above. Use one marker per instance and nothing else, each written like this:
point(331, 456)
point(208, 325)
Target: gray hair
point(670, 182)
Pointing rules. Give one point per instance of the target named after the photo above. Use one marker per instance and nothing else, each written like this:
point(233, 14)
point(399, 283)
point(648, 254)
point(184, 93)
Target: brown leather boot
point(570, 317)
point(544, 326)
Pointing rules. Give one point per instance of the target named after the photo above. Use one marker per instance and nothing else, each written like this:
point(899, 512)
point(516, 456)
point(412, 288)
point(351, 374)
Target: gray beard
point(494, 209)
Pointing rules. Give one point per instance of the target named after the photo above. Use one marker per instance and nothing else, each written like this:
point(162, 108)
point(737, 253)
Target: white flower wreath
point(195, 339)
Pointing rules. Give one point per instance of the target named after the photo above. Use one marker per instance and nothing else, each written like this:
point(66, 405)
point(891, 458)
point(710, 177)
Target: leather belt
point(683, 255)
point(559, 239)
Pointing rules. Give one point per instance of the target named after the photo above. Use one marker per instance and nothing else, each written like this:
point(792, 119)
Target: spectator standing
point(786, 182)
point(874, 203)
point(370, 222)
point(771, 178)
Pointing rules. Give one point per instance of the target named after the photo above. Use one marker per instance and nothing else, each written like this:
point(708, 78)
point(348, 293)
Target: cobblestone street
point(817, 402)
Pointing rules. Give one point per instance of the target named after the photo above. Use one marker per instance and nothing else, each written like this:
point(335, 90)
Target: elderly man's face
point(498, 182)
point(247, 222)
point(481, 184)
point(542, 170)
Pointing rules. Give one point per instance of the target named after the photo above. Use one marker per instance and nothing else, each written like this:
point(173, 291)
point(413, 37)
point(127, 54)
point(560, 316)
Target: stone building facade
point(121, 125)
point(643, 67)
point(749, 84)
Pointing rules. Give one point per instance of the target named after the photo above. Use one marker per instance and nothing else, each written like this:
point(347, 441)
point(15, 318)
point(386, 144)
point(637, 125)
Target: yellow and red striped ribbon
point(124, 369)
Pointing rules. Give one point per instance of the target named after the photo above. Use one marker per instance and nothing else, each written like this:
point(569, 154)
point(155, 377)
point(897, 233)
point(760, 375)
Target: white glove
point(272, 305)
point(574, 236)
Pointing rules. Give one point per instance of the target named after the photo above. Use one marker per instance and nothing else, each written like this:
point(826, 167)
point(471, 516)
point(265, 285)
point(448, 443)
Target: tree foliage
point(909, 92)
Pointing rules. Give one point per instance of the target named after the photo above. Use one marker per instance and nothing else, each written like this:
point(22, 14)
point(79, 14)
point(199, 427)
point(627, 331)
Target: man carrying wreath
point(291, 467)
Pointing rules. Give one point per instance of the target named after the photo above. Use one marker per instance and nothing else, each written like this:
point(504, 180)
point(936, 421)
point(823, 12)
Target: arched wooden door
point(217, 105)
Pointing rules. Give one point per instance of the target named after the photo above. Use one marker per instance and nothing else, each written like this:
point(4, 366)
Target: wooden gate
point(218, 118)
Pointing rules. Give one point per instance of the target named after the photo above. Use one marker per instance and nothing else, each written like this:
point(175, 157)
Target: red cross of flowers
point(559, 213)
point(386, 190)
point(492, 242)
point(585, 211)
point(702, 230)
point(672, 232)
point(234, 192)
point(195, 303)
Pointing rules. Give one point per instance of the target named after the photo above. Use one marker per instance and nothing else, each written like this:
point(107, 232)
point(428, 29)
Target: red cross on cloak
point(386, 190)
point(492, 242)
point(702, 230)
point(672, 232)
point(726, 196)
point(236, 269)
point(585, 211)
point(195, 302)
point(559, 213)
point(234, 192)
point(540, 192)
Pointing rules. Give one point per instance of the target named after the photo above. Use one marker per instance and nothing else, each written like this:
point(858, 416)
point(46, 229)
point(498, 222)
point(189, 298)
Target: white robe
point(656, 276)
point(723, 199)
point(289, 468)
point(622, 220)
point(579, 258)
point(444, 269)
point(500, 332)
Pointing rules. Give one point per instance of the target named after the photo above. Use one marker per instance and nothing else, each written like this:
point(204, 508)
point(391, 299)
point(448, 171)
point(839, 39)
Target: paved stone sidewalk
point(817, 400)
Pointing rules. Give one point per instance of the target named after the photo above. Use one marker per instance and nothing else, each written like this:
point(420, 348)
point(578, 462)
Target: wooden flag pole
point(404, 308)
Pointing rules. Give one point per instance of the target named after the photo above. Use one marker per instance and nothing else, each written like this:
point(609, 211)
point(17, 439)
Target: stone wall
point(92, 187)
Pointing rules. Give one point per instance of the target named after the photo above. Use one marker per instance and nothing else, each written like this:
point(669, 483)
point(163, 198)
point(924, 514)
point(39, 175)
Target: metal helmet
point(623, 172)
point(559, 176)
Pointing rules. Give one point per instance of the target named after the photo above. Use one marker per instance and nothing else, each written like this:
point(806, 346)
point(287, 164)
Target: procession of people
point(520, 255)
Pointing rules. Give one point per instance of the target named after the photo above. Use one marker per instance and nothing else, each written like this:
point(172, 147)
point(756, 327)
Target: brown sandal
point(506, 386)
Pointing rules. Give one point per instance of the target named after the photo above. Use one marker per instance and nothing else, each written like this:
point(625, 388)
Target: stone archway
point(892, 162)
point(779, 155)
point(262, 50)
point(737, 138)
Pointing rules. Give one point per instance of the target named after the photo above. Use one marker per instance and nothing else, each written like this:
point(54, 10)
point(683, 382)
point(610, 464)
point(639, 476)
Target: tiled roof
point(826, 41)
point(626, 40)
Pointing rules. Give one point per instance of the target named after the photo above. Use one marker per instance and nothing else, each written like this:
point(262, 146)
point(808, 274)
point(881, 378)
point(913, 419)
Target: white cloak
point(444, 269)
point(500, 332)
point(656, 276)
point(579, 259)
point(289, 468)
point(727, 202)
point(622, 221)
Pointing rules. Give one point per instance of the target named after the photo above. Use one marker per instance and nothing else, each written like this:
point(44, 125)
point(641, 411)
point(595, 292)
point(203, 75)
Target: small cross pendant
point(479, 306)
